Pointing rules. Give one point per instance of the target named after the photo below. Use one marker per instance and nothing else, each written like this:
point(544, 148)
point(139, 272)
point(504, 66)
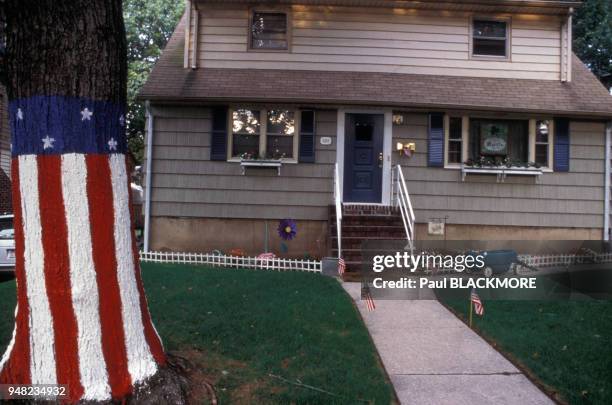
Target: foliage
point(148, 25)
point(593, 38)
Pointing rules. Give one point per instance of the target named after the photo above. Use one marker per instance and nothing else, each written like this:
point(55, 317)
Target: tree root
point(172, 385)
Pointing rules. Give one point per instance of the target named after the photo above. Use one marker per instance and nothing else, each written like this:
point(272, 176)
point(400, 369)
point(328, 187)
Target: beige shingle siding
point(380, 40)
point(573, 199)
point(170, 81)
point(187, 184)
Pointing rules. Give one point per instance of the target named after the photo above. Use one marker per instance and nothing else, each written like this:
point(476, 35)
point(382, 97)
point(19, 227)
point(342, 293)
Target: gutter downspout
point(606, 235)
point(187, 34)
point(570, 44)
point(195, 35)
point(147, 224)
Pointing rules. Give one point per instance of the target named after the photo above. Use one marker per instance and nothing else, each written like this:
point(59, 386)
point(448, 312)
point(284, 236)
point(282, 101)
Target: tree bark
point(82, 318)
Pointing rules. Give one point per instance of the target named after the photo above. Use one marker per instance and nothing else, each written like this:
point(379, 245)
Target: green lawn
point(567, 345)
point(239, 326)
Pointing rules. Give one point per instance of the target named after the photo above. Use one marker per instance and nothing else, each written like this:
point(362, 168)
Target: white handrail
point(402, 201)
point(338, 202)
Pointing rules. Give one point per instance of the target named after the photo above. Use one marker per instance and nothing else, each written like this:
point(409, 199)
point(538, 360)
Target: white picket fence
point(564, 260)
point(237, 262)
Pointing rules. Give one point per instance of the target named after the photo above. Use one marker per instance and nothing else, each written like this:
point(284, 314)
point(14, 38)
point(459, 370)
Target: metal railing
point(338, 203)
point(402, 201)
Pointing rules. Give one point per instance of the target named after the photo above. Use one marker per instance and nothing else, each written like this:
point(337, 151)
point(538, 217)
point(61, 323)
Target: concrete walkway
point(433, 358)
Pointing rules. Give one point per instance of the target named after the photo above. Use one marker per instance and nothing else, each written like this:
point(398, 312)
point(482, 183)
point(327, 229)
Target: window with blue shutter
point(562, 145)
point(218, 141)
point(307, 137)
point(435, 142)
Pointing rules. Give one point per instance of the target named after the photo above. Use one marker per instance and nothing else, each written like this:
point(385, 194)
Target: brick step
point(369, 221)
point(356, 242)
point(374, 230)
point(369, 209)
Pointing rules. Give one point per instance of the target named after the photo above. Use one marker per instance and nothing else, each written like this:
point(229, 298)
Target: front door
point(363, 158)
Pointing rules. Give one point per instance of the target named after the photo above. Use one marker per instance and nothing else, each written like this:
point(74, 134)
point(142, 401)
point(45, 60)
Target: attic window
point(489, 38)
point(269, 31)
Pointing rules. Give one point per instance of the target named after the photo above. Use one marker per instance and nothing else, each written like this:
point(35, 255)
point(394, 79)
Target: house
point(498, 128)
point(5, 155)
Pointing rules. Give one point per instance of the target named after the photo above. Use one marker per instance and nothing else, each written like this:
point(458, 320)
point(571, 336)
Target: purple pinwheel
point(287, 229)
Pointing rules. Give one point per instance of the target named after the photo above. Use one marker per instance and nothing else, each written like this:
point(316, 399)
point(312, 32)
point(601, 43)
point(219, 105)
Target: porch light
point(543, 128)
point(405, 149)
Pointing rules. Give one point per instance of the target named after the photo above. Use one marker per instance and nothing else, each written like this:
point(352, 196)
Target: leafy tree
point(593, 38)
point(149, 25)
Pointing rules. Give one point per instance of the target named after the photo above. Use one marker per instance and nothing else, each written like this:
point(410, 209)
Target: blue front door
point(363, 158)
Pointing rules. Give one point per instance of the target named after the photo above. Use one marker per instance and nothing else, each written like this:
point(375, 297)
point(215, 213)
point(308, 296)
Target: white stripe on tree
point(141, 364)
point(42, 352)
point(84, 288)
point(9, 349)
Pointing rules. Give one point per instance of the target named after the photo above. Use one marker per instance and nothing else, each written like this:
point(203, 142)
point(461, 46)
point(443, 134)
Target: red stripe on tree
point(100, 197)
point(57, 273)
point(17, 367)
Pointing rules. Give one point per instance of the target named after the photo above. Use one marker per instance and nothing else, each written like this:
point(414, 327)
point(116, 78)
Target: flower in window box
point(287, 229)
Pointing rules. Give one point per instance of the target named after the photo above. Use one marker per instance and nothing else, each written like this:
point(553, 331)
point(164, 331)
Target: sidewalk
point(433, 358)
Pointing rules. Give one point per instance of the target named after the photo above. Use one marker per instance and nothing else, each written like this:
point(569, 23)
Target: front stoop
point(361, 223)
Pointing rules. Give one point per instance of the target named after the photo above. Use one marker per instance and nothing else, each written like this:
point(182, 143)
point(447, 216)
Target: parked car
point(7, 244)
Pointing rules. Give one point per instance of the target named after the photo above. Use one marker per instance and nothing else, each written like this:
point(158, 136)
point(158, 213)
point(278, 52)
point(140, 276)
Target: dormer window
point(490, 38)
point(269, 31)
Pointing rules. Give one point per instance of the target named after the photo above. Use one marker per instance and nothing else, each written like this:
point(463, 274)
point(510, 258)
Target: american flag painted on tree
point(82, 317)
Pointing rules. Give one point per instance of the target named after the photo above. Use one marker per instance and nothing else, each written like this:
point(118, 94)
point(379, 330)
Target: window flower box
point(501, 171)
point(261, 163)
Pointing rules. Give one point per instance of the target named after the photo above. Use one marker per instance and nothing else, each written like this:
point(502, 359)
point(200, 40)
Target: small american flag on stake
point(478, 307)
point(367, 296)
point(341, 266)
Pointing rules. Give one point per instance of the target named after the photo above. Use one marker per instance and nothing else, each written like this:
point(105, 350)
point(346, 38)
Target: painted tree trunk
point(82, 318)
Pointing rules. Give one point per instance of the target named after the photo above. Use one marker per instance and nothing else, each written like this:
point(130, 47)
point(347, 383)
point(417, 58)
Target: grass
point(566, 345)
point(240, 326)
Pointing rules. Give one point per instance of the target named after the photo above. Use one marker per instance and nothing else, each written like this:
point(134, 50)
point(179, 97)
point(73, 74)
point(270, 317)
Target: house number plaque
point(326, 140)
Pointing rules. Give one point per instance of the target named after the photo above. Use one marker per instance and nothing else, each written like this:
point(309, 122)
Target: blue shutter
point(307, 137)
point(562, 145)
point(435, 142)
point(218, 141)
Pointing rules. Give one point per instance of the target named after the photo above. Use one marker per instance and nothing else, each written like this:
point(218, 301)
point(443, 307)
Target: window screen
point(245, 132)
point(269, 31)
point(280, 133)
point(499, 141)
point(455, 140)
point(489, 38)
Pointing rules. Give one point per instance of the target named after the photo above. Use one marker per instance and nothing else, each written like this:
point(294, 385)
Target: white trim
point(187, 33)
point(147, 219)
point(570, 42)
point(196, 34)
point(607, 185)
point(340, 150)
point(387, 145)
